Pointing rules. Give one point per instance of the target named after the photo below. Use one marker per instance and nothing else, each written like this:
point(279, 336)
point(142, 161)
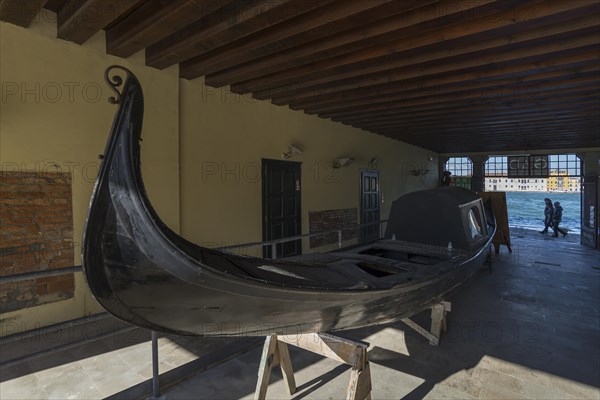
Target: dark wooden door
point(281, 206)
point(589, 211)
point(369, 204)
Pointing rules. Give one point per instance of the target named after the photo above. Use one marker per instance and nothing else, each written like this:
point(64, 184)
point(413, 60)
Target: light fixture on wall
point(373, 162)
point(342, 162)
point(293, 150)
point(429, 157)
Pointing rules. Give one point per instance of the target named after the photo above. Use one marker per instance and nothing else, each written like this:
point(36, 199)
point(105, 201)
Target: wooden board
point(498, 201)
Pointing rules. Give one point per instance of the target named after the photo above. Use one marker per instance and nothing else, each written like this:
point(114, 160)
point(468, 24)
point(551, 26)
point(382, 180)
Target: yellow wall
point(221, 131)
point(46, 126)
point(54, 118)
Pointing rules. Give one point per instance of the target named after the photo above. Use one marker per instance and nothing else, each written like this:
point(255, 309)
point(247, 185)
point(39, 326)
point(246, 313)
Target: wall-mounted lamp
point(429, 157)
point(293, 150)
point(373, 162)
point(342, 162)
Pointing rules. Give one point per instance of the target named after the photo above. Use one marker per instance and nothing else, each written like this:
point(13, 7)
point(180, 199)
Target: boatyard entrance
point(528, 180)
point(281, 206)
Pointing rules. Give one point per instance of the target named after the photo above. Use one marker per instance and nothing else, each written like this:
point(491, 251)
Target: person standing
point(548, 215)
point(556, 220)
point(446, 180)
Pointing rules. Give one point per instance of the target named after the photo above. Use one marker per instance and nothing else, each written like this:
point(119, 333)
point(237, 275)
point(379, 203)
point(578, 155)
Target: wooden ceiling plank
point(547, 120)
point(498, 86)
point(232, 22)
point(155, 20)
point(543, 49)
point(544, 98)
point(508, 133)
point(459, 120)
point(426, 132)
point(20, 12)
point(570, 97)
point(443, 65)
point(347, 41)
point(523, 67)
point(302, 29)
point(518, 73)
point(511, 133)
point(443, 119)
point(473, 98)
point(79, 20)
point(381, 58)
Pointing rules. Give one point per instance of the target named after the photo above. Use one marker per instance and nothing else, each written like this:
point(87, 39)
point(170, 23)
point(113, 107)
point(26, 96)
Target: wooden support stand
point(438, 323)
point(275, 351)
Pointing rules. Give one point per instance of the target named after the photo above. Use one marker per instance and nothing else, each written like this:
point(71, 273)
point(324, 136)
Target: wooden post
point(275, 351)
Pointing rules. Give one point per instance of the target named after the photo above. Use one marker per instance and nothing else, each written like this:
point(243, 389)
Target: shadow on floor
point(536, 315)
point(539, 309)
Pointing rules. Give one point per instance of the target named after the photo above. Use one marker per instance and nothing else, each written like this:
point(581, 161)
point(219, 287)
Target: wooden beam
point(528, 66)
point(558, 100)
point(20, 12)
point(55, 5)
point(582, 96)
point(537, 91)
point(329, 20)
point(232, 22)
point(406, 28)
point(484, 115)
point(491, 77)
point(583, 117)
point(155, 20)
point(442, 91)
point(534, 53)
point(508, 131)
point(397, 54)
point(79, 20)
point(257, 58)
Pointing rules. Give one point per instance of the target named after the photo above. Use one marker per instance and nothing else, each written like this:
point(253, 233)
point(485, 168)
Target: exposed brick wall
point(327, 220)
point(36, 233)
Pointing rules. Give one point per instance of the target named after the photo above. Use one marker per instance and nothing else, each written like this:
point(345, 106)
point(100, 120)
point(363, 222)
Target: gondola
point(144, 273)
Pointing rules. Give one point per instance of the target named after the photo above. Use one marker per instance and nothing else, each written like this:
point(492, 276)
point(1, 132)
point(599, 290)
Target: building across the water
point(561, 182)
point(504, 184)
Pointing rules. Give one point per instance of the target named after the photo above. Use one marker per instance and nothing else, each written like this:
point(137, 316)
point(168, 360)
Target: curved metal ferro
point(148, 275)
point(115, 81)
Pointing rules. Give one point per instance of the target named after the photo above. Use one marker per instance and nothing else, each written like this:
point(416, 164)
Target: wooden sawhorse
point(275, 351)
point(438, 323)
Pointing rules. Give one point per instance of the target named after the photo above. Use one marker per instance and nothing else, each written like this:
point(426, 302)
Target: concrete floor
point(528, 330)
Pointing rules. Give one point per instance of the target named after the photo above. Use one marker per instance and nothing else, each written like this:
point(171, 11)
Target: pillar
point(478, 179)
point(442, 160)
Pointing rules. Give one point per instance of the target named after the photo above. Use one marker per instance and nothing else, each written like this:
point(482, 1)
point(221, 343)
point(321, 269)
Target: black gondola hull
point(145, 274)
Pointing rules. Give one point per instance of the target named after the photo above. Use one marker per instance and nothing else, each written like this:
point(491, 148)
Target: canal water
point(526, 209)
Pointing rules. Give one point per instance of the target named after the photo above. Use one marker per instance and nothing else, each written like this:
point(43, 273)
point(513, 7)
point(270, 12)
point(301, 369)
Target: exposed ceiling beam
point(20, 12)
point(79, 20)
point(155, 20)
point(216, 29)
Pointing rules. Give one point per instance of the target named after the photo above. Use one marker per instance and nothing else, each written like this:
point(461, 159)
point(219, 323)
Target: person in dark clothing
point(446, 180)
point(556, 220)
point(548, 215)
